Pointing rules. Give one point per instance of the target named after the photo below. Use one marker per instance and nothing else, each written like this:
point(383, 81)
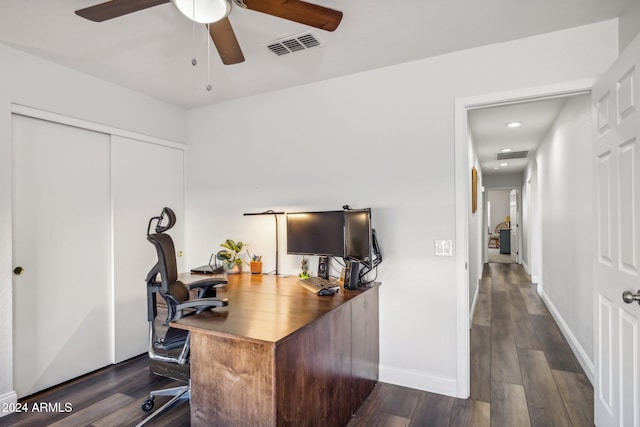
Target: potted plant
point(229, 256)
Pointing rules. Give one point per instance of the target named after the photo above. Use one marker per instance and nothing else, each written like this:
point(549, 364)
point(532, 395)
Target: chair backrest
point(501, 226)
point(166, 266)
point(166, 269)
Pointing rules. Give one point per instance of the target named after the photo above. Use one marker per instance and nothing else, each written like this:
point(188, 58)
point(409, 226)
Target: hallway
point(523, 372)
point(520, 362)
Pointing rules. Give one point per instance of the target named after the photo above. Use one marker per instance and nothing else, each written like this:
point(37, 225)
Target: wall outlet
point(444, 248)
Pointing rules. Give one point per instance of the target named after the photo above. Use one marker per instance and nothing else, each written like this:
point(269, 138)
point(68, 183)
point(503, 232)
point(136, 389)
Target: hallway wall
point(564, 186)
point(477, 229)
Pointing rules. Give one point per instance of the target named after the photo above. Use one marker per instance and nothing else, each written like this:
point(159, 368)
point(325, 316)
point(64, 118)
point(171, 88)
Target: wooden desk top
point(262, 307)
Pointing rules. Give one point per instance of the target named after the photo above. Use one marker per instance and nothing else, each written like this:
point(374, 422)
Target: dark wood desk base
point(318, 375)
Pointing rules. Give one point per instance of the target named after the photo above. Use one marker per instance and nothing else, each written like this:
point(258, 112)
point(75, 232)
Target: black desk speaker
point(323, 267)
point(351, 275)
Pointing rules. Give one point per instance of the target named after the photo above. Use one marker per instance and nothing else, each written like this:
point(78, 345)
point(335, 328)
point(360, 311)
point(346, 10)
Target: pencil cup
point(256, 267)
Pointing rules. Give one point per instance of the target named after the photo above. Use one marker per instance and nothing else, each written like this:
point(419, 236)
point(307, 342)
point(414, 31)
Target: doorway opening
point(470, 258)
point(502, 227)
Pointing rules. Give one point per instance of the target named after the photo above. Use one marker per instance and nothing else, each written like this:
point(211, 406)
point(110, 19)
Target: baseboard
point(418, 380)
point(525, 266)
point(578, 350)
point(535, 279)
point(8, 401)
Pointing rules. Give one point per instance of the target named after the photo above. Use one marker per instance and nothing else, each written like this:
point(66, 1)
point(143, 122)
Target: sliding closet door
point(145, 178)
point(61, 224)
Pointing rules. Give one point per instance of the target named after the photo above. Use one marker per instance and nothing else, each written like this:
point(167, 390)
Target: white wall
point(629, 24)
point(288, 149)
point(564, 172)
point(503, 181)
point(477, 232)
point(525, 225)
point(37, 83)
point(499, 200)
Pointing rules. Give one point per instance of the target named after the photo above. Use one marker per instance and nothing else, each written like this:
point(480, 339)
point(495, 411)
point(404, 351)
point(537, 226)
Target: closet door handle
point(629, 297)
point(18, 271)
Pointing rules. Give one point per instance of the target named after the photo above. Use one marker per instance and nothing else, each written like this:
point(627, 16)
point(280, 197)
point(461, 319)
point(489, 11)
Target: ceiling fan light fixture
point(203, 11)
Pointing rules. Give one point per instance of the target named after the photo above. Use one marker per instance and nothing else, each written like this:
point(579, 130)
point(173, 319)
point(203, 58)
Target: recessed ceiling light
point(506, 150)
point(514, 124)
point(496, 168)
point(504, 164)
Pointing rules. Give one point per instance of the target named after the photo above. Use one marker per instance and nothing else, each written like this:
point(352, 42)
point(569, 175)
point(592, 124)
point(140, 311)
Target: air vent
point(294, 43)
point(512, 155)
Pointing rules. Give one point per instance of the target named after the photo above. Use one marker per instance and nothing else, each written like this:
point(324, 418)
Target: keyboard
point(317, 284)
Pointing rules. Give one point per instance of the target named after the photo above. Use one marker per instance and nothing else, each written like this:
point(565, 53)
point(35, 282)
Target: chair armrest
point(205, 285)
point(200, 305)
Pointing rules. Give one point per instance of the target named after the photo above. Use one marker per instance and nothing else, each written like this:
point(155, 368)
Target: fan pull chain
point(194, 61)
point(208, 60)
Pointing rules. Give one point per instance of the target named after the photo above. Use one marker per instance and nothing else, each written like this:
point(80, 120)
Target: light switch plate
point(444, 248)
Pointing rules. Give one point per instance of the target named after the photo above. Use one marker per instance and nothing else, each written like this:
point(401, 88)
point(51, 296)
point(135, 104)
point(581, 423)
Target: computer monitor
point(316, 233)
point(357, 235)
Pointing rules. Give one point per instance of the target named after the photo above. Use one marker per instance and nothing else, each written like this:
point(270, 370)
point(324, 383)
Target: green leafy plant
point(229, 255)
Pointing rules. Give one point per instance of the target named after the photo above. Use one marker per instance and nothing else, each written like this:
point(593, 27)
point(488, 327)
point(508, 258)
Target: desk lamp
point(275, 217)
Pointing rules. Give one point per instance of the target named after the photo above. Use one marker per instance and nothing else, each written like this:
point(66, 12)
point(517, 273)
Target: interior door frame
point(463, 201)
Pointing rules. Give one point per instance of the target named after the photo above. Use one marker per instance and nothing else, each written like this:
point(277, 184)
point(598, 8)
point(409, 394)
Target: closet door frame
point(21, 110)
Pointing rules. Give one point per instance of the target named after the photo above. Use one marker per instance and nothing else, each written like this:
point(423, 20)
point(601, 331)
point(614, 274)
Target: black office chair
point(169, 355)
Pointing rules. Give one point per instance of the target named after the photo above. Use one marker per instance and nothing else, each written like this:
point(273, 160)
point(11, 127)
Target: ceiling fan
point(221, 31)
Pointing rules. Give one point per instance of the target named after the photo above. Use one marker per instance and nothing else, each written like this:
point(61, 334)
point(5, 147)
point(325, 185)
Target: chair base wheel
point(147, 405)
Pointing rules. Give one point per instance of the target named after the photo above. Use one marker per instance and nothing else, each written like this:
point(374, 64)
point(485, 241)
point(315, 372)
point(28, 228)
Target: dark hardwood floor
point(523, 373)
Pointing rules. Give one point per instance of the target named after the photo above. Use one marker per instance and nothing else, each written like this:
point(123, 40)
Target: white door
point(515, 223)
point(146, 177)
point(615, 99)
point(61, 238)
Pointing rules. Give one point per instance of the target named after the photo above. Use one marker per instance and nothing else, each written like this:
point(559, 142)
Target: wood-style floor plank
point(532, 301)
point(525, 334)
point(508, 405)
point(480, 370)
point(498, 283)
point(401, 402)
point(433, 410)
point(577, 395)
point(389, 420)
point(504, 356)
point(485, 285)
point(554, 344)
point(482, 313)
point(131, 378)
point(471, 413)
point(384, 404)
point(87, 415)
point(517, 307)
point(499, 305)
point(543, 398)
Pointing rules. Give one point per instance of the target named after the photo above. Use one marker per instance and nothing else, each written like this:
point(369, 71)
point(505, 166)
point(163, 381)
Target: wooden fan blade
point(114, 8)
point(226, 42)
point(298, 11)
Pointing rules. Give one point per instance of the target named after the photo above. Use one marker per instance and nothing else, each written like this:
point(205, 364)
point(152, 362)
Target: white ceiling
point(150, 51)
point(490, 133)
